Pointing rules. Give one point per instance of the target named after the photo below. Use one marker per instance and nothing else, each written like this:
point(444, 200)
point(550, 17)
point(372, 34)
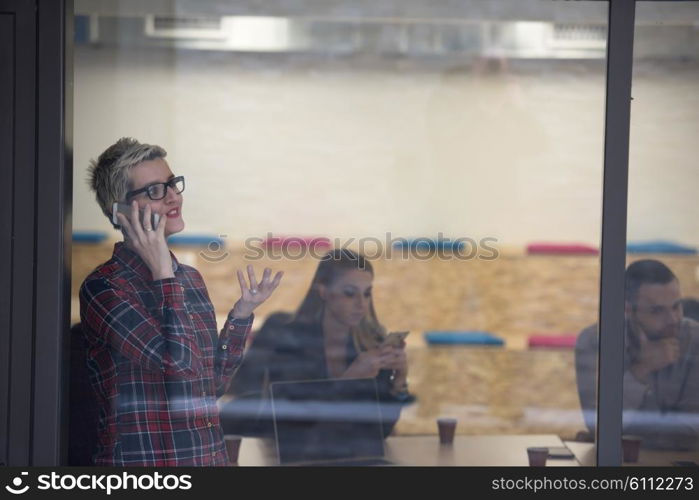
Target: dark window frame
point(36, 341)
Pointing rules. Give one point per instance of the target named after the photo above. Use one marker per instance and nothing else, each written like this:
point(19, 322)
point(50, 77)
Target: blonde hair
point(108, 177)
point(369, 333)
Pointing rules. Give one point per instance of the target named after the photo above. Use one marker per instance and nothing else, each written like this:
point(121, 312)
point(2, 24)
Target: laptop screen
point(327, 420)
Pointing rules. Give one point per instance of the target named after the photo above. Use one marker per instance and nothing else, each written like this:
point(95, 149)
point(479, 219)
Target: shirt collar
point(134, 262)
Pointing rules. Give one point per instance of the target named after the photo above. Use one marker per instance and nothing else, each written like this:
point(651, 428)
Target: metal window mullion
point(22, 237)
point(614, 218)
point(53, 202)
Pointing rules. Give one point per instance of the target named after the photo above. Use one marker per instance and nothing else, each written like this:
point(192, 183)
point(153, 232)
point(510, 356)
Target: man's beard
point(671, 331)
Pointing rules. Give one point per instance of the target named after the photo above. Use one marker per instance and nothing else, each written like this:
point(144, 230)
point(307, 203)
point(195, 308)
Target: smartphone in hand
point(395, 339)
point(125, 209)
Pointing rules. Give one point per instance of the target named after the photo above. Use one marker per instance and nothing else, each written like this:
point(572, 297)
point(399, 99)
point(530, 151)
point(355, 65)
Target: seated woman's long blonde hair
point(369, 333)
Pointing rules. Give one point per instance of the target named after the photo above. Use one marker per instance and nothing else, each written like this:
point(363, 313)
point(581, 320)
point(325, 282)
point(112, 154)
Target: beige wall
point(307, 149)
point(303, 146)
point(664, 167)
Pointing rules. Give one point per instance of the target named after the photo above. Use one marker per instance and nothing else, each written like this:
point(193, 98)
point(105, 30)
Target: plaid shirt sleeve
point(163, 341)
point(229, 352)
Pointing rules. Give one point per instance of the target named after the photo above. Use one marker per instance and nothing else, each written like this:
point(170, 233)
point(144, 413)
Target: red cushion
point(542, 340)
point(561, 249)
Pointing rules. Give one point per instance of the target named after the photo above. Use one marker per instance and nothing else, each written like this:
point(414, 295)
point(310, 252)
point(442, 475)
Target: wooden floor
point(501, 390)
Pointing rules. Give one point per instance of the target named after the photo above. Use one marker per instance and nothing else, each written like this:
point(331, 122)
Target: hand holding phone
point(125, 210)
point(148, 242)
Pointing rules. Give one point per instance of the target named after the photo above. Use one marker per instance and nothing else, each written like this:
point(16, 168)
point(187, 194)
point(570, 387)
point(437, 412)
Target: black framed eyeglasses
point(158, 191)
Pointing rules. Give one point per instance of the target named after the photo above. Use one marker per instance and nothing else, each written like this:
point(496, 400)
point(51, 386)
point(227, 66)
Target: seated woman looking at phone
point(334, 334)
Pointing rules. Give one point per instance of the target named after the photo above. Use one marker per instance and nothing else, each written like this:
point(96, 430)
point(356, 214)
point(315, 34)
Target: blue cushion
point(89, 236)
point(194, 240)
point(428, 244)
point(659, 246)
point(442, 337)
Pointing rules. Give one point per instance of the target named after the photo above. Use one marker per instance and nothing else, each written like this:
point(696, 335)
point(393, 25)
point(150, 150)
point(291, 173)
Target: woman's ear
point(322, 291)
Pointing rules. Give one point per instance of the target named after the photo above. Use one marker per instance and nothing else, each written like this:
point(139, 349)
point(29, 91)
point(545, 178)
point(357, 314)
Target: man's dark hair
point(646, 272)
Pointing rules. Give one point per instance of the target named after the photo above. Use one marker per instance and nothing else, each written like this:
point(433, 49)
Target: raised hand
point(254, 293)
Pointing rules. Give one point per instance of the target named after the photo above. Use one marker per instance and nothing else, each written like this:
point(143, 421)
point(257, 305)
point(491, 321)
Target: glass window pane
point(457, 146)
point(661, 384)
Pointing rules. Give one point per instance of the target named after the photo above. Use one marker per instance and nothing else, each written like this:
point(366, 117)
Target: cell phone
point(125, 210)
point(560, 452)
point(395, 339)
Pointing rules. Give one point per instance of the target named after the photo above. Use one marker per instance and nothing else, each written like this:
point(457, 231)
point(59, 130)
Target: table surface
point(506, 450)
point(586, 455)
point(491, 451)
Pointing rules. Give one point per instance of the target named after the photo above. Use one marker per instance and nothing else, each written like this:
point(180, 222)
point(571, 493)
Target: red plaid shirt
point(156, 363)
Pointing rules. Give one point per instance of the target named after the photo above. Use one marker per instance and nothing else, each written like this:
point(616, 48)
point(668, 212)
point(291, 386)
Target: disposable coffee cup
point(537, 456)
point(631, 446)
point(233, 448)
point(447, 428)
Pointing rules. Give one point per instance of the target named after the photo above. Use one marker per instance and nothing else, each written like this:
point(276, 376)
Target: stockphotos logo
point(16, 488)
point(103, 482)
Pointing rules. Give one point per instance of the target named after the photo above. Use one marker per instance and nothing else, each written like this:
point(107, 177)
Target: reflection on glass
point(458, 148)
point(662, 346)
point(660, 364)
point(154, 356)
point(661, 383)
point(334, 334)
